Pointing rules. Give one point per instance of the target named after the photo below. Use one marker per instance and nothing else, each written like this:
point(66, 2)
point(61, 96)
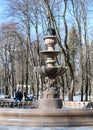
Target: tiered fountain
point(50, 96)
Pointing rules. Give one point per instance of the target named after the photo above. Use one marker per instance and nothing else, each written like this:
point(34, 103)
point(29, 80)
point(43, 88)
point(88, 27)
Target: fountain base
point(43, 118)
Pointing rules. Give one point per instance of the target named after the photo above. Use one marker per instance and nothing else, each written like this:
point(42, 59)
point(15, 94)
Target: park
point(41, 74)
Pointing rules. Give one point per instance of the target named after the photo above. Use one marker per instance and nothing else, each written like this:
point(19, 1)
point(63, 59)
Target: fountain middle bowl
point(51, 72)
point(50, 53)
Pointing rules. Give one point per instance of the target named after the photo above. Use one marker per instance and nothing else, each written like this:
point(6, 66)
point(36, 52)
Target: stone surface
point(46, 118)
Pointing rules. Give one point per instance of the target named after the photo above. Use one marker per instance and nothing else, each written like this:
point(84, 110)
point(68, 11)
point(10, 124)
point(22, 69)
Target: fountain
point(50, 112)
point(50, 96)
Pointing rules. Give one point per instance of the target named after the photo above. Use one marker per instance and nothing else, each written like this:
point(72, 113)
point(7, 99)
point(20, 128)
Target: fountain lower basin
point(46, 118)
point(51, 72)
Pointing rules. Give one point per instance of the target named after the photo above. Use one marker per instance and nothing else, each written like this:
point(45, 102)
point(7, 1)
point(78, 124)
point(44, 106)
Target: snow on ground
point(77, 98)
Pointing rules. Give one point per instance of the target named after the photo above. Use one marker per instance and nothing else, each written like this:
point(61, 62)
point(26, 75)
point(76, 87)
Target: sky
point(3, 5)
point(3, 18)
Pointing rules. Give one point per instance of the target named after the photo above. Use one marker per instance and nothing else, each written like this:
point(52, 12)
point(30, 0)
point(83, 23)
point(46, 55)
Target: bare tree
point(8, 45)
point(66, 49)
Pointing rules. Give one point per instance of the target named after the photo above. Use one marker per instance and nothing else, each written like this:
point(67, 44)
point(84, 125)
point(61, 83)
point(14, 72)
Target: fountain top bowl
point(50, 40)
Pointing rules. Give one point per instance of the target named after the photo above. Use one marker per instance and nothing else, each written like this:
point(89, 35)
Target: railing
point(75, 104)
point(22, 104)
point(35, 104)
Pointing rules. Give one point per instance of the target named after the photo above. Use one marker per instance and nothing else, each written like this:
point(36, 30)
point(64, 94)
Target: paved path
point(44, 128)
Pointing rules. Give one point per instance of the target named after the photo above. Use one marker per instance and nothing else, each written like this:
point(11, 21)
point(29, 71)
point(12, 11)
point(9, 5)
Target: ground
point(45, 128)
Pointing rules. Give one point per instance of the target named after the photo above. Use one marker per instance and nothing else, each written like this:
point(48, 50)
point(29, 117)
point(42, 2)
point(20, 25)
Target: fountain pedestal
point(50, 100)
point(50, 103)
